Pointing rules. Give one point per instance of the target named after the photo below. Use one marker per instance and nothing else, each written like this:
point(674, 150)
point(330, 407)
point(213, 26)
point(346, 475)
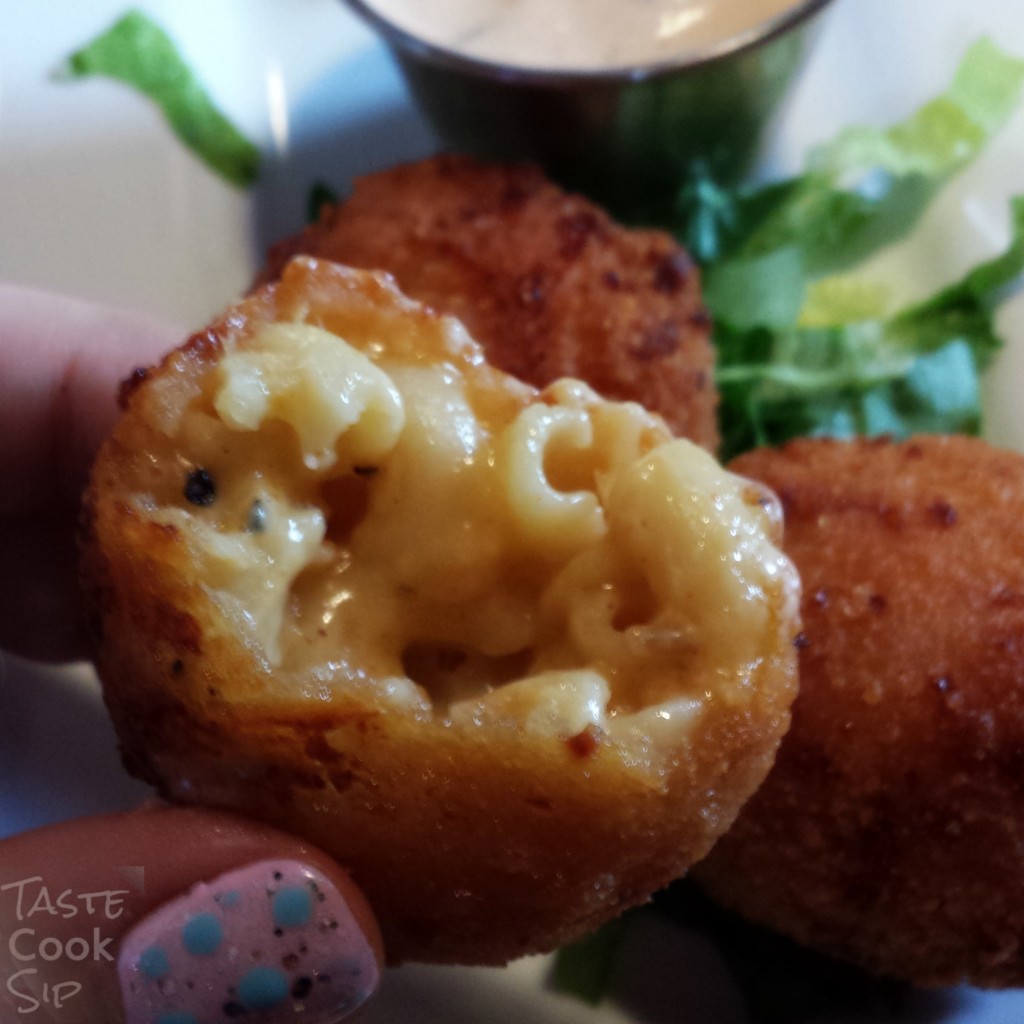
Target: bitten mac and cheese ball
point(515, 658)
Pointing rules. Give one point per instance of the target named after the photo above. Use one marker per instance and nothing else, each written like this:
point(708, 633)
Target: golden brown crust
point(891, 830)
point(545, 281)
point(474, 845)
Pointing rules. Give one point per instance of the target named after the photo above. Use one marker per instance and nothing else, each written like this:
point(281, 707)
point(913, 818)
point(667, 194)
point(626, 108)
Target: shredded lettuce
point(915, 371)
point(137, 51)
point(805, 345)
point(320, 195)
point(583, 968)
point(866, 188)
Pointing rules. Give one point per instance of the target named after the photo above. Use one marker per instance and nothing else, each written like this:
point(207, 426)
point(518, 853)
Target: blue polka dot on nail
point(230, 898)
point(292, 907)
point(153, 962)
point(262, 987)
point(202, 934)
point(177, 1018)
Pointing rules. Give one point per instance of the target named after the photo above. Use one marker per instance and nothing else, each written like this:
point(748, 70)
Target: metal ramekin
point(631, 137)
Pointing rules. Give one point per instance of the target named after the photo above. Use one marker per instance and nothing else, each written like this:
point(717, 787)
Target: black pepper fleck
point(200, 489)
point(257, 521)
point(234, 1010)
point(302, 987)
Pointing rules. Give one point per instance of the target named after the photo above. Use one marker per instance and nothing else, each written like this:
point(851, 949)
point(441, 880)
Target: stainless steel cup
point(631, 138)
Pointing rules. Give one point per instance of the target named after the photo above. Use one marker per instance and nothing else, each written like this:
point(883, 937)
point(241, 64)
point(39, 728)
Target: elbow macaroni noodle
point(486, 554)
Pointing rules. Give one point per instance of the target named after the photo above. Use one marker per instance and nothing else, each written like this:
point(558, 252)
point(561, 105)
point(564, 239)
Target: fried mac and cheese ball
point(514, 657)
point(891, 830)
point(545, 281)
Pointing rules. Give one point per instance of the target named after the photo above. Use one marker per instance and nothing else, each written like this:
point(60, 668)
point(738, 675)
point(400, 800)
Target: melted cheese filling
point(470, 550)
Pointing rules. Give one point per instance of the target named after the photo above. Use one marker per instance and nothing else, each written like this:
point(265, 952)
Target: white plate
point(98, 199)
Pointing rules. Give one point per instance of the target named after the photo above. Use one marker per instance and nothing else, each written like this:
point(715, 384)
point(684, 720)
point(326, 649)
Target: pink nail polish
point(260, 944)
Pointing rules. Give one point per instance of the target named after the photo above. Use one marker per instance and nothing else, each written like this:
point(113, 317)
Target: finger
point(40, 606)
point(60, 363)
point(103, 920)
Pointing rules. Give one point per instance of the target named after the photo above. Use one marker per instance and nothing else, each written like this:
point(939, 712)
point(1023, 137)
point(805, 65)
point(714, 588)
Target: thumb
point(178, 916)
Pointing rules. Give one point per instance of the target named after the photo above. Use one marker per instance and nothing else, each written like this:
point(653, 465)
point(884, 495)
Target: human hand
point(99, 917)
point(103, 919)
point(60, 363)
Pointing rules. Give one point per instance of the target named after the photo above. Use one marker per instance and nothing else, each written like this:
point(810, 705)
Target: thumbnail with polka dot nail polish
point(259, 944)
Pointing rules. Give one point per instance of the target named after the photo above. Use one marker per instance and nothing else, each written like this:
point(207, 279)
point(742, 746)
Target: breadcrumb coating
point(891, 830)
point(546, 281)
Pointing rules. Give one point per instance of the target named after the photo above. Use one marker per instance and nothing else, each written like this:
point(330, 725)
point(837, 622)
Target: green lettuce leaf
point(583, 968)
point(806, 345)
point(137, 51)
point(915, 371)
point(865, 189)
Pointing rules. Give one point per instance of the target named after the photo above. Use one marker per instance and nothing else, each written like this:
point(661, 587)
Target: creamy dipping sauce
point(580, 34)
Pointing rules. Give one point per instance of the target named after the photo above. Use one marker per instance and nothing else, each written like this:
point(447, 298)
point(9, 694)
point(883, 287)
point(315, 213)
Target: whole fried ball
point(516, 658)
point(544, 280)
point(891, 830)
